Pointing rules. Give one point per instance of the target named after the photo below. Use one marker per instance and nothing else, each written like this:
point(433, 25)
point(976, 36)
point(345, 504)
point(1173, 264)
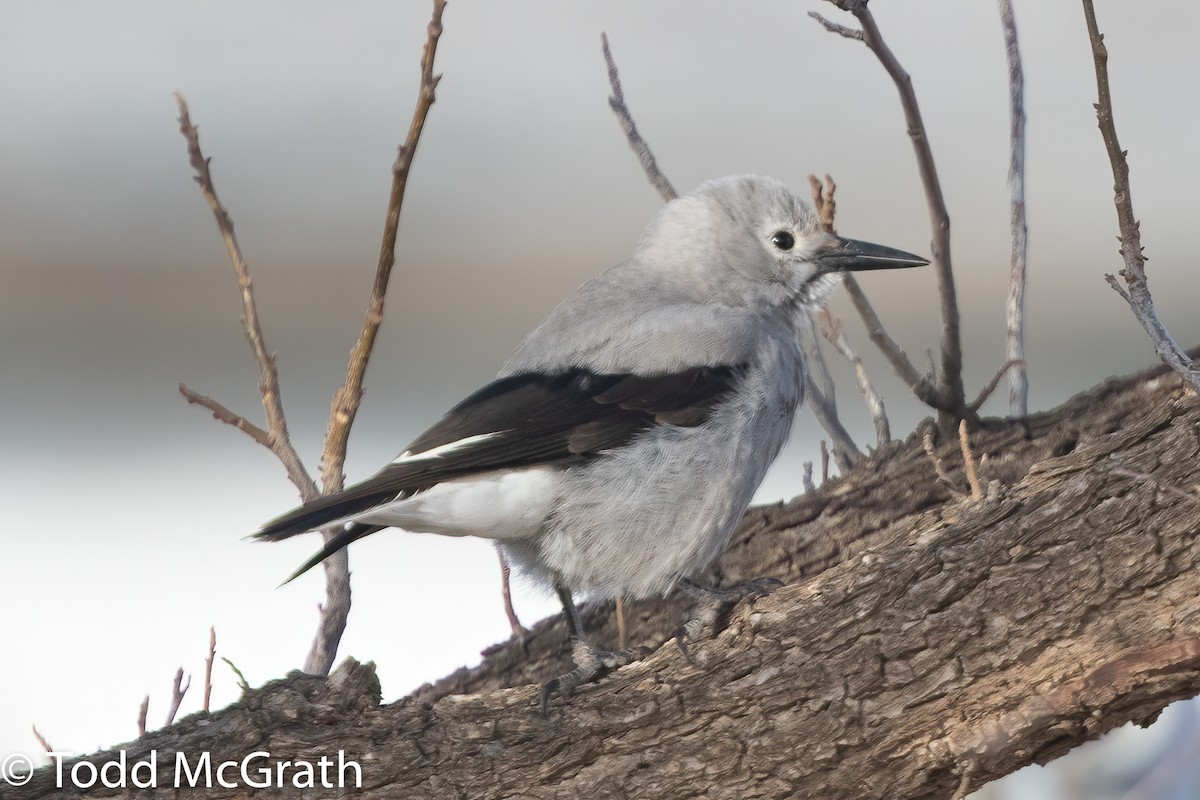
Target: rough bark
point(918, 635)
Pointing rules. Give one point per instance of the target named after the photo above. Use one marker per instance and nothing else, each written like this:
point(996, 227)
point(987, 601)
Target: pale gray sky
point(126, 505)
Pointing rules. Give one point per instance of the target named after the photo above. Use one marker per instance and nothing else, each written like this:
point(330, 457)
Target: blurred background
point(125, 509)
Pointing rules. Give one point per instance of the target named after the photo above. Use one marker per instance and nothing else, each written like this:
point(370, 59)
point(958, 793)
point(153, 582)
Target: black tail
point(321, 512)
point(325, 510)
point(351, 533)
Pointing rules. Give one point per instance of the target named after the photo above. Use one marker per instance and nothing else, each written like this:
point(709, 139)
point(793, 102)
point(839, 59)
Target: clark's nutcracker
point(623, 440)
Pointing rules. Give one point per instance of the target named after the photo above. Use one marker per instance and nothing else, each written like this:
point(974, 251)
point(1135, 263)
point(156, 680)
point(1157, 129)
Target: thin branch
point(845, 452)
point(824, 197)
point(986, 392)
point(825, 201)
point(1018, 387)
point(617, 103)
point(1138, 297)
point(208, 665)
point(824, 461)
point(243, 684)
point(178, 690)
point(143, 710)
point(938, 469)
point(42, 740)
point(887, 345)
point(820, 390)
point(348, 398)
point(816, 369)
point(964, 442)
point(277, 431)
point(223, 414)
point(832, 330)
point(948, 396)
point(833, 27)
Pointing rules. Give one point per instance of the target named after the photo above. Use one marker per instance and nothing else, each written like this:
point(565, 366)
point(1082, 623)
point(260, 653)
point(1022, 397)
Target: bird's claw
point(713, 604)
point(591, 663)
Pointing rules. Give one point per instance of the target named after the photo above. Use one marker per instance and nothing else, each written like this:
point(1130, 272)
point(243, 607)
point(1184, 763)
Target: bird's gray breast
point(635, 519)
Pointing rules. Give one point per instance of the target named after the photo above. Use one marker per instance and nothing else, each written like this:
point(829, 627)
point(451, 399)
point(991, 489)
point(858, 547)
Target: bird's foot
point(714, 605)
point(591, 663)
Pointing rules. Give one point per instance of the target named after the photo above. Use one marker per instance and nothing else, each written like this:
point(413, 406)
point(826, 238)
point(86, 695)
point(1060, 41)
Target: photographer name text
point(257, 770)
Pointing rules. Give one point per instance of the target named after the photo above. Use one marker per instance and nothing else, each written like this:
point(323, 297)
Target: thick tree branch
point(920, 639)
point(1138, 294)
point(1018, 387)
point(948, 396)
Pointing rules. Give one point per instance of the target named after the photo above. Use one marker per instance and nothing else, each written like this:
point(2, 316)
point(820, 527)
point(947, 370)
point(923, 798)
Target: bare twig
point(887, 345)
point(820, 389)
point(518, 629)
point(1138, 294)
point(938, 469)
point(223, 414)
point(809, 486)
point(178, 690)
point(832, 329)
point(964, 442)
point(817, 370)
point(1018, 386)
point(824, 461)
point(42, 740)
point(348, 398)
point(825, 202)
point(243, 684)
point(986, 392)
point(143, 710)
point(845, 452)
point(208, 665)
point(277, 437)
point(948, 396)
point(833, 27)
point(617, 103)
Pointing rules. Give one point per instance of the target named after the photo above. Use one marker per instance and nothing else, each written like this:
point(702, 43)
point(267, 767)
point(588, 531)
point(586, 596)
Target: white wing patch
point(499, 505)
point(444, 449)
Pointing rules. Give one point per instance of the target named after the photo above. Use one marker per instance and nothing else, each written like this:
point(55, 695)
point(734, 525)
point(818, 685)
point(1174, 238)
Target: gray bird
point(623, 440)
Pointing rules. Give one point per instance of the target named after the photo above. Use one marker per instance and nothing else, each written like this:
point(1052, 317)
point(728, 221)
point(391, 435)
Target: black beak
point(849, 255)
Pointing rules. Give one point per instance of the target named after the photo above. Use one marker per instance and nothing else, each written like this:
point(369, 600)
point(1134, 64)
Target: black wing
point(521, 421)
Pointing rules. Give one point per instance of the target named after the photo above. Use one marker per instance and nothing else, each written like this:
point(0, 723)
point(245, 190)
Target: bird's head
point(751, 240)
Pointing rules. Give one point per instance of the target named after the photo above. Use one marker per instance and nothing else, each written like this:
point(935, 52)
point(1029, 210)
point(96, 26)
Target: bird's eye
point(783, 240)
